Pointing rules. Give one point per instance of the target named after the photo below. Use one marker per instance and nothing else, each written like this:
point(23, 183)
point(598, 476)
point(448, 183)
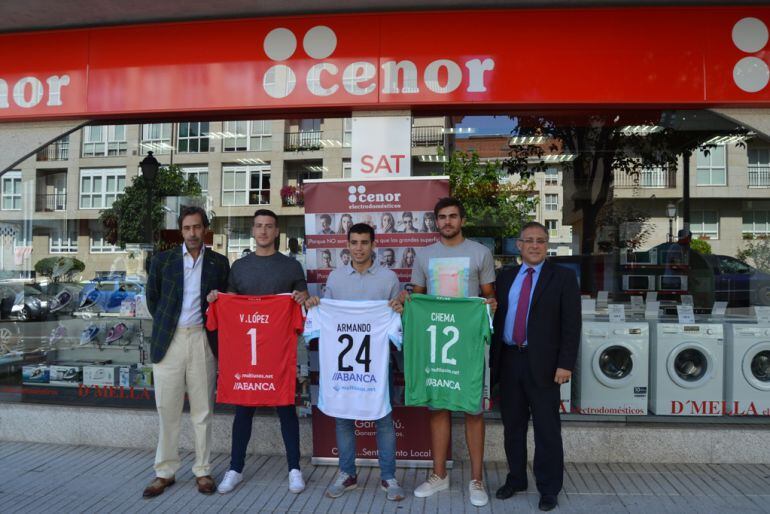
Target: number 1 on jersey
point(253, 333)
point(454, 334)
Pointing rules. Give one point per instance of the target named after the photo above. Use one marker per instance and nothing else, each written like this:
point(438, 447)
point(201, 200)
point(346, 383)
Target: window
point(240, 235)
point(730, 266)
point(551, 176)
point(64, 238)
point(551, 202)
point(245, 185)
point(104, 140)
point(200, 173)
point(712, 168)
point(759, 167)
point(347, 132)
point(100, 187)
point(156, 137)
point(551, 253)
point(11, 191)
point(241, 136)
point(193, 137)
point(96, 235)
point(705, 224)
point(756, 223)
point(551, 227)
point(347, 170)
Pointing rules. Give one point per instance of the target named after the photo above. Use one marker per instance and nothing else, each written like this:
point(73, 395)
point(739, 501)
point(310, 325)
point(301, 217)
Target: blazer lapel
point(207, 272)
point(546, 272)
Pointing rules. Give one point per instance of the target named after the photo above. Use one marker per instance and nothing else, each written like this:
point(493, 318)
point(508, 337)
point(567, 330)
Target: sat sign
point(382, 147)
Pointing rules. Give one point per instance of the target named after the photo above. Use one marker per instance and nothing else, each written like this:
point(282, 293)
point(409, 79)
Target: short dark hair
point(533, 224)
point(190, 210)
point(361, 228)
point(266, 212)
point(325, 216)
point(449, 201)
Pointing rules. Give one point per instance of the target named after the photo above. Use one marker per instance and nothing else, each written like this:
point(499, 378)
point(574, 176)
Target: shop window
point(104, 141)
point(551, 202)
point(705, 224)
point(712, 168)
point(347, 170)
point(242, 136)
point(756, 223)
point(100, 187)
point(200, 173)
point(245, 185)
point(551, 176)
point(11, 191)
point(193, 137)
point(64, 238)
point(156, 137)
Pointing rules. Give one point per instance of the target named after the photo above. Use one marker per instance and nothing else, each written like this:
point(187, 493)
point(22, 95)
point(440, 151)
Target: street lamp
point(149, 166)
point(671, 211)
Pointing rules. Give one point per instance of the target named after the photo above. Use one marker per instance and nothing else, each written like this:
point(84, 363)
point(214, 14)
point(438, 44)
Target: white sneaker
point(431, 486)
point(231, 479)
point(478, 493)
point(296, 482)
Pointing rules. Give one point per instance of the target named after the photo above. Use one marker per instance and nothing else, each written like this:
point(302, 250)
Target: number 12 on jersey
point(454, 336)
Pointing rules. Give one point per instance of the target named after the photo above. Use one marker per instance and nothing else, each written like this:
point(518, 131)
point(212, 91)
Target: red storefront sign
point(632, 56)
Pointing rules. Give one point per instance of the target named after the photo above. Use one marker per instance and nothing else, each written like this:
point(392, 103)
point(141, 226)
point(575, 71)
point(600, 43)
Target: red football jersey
point(257, 348)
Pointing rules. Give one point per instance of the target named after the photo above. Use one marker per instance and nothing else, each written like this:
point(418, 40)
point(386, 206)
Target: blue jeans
point(386, 446)
point(242, 433)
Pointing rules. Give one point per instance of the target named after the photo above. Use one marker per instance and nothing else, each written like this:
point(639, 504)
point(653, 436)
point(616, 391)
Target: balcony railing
point(759, 176)
point(303, 140)
point(658, 178)
point(58, 151)
point(427, 136)
point(293, 199)
point(51, 202)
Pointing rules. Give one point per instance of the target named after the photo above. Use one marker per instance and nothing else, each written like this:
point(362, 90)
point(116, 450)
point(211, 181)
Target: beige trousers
point(188, 366)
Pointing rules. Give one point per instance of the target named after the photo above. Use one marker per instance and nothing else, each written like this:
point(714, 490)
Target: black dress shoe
point(547, 502)
point(506, 491)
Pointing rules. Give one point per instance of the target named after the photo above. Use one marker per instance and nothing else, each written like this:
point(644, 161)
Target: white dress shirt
point(191, 299)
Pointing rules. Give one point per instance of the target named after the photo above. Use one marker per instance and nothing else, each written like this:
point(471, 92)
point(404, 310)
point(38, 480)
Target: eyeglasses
point(540, 241)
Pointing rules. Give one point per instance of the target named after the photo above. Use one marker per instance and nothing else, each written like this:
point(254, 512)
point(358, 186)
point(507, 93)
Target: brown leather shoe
point(157, 487)
point(206, 485)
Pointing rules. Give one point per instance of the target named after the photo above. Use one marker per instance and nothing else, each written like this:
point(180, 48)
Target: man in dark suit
point(182, 351)
point(534, 348)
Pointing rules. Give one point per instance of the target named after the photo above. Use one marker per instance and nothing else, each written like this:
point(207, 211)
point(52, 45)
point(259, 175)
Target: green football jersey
point(445, 347)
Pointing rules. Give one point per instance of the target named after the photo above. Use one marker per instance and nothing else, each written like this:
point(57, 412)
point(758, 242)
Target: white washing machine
point(747, 369)
point(612, 369)
point(686, 369)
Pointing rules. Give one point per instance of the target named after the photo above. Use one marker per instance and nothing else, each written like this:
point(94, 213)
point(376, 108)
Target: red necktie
point(520, 321)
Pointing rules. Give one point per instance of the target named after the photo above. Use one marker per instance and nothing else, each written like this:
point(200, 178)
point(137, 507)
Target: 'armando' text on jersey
point(354, 327)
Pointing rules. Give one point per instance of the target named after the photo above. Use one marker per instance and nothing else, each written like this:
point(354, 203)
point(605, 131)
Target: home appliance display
point(672, 283)
point(638, 283)
point(686, 369)
point(747, 369)
point(647, 257)
point(612, 368)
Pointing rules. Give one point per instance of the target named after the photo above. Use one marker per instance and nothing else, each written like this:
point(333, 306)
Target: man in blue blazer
point(534, 348)
point(183, 353)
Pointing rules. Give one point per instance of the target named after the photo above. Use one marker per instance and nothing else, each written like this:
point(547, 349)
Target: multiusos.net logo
point(359, 77)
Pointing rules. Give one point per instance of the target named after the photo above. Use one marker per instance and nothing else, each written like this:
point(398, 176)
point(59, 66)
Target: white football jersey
point(353, 355)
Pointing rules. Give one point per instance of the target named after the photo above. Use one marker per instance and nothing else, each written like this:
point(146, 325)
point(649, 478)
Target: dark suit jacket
point(553, 329)
point(165, 288)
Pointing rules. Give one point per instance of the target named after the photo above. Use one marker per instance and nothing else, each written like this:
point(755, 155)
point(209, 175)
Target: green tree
point(125, 221)
point(495, 207)
point(757, 253)
point(700, 246)
point(621, 226)
point(59, 268)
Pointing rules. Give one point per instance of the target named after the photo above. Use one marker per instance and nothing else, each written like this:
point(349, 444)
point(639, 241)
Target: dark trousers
point(520, 397)
point(242, 433)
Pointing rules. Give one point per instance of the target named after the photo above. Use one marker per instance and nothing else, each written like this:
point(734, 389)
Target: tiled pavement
point(69, 479)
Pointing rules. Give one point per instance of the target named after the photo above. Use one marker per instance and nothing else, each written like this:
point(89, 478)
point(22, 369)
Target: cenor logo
point(359, 78)
point(751, 74)
point(359, 194)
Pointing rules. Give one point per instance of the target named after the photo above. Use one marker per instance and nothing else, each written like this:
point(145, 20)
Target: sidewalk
point(58, 478)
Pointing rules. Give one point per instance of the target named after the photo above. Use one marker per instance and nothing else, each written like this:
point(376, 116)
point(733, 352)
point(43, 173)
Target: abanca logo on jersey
point(442, 382)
